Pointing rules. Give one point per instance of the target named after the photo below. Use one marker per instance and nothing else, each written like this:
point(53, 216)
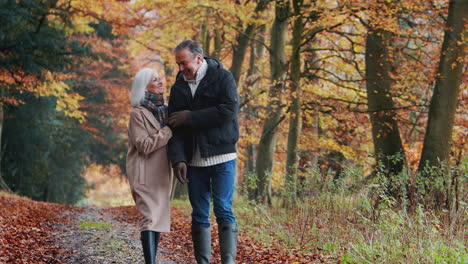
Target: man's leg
point(223, 180)
point(199, 196)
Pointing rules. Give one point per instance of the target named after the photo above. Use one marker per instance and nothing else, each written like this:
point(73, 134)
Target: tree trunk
point(267, 145)
point(385, 133)
point(257, 50)
point(206, 42)
point(242, 42)
point(204, 39)
point(206, 36)
point(3, 184)
point(240, 50)
point(217, 45)
point(250, 111)
point(443, 106)
point(295, 123)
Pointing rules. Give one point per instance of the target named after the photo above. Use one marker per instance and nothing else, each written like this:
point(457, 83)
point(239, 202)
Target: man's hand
point(180, 171)
point(178, 119)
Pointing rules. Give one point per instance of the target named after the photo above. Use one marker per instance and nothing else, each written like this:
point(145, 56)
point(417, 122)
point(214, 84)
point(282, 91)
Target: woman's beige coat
point(148, 169)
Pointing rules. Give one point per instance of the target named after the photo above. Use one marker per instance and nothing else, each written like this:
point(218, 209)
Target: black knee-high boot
point(149, 242)
point(157, 236)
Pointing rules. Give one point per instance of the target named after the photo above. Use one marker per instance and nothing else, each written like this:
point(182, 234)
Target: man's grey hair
point(192, 45)
point(139, 84)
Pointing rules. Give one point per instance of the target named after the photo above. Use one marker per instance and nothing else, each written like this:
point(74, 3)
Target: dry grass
point(356, 229)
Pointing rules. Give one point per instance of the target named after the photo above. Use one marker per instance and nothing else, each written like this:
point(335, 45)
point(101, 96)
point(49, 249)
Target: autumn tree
point(44, 86)
point(249, 111)
point(388, 146)
point(269, 136)
point(43, 151)
point(243, 39)
point(32, 48)
point(304, 32)
point(295, 122)
point(438, 137)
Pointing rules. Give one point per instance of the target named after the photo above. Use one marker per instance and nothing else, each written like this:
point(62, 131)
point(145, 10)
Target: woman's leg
point(149, 242)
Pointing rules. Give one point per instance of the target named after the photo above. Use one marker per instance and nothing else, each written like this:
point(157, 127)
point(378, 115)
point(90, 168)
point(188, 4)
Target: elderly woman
point(148, 167)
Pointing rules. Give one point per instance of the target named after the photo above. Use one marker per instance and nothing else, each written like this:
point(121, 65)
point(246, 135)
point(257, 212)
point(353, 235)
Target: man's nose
point(181, 68)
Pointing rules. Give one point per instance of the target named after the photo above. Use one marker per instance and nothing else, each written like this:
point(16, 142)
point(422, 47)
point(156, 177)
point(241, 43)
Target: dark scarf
point(155, 103)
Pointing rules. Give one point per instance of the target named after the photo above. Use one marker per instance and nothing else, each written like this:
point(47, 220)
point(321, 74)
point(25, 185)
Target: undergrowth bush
point(425, 224)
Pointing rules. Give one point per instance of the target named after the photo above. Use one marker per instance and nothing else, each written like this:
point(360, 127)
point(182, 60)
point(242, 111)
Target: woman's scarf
point(155, 103)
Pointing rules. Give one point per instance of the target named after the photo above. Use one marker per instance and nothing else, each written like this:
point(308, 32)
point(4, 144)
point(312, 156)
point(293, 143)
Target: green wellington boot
point(228, 242)
point(201, 238)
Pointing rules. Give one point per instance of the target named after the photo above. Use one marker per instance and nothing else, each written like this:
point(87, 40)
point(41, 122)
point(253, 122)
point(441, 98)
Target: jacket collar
point(210, 76)
point(149, 116)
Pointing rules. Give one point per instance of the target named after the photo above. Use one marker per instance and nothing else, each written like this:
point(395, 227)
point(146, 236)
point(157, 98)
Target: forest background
point(347, 108)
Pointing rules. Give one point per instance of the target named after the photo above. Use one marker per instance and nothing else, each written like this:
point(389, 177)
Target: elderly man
point(203, 107)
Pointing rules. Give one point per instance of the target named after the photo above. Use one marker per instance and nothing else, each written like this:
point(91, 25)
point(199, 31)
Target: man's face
point(188, 63)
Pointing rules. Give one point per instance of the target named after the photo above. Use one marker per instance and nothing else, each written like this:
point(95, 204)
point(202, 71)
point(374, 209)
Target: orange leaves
point(27, 235)
point(106, 76)
point(26, 231)
point(249, 251)
point(86, 11)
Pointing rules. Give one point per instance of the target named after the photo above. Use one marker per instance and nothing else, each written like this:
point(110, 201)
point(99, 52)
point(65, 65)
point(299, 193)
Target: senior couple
point(196, 135)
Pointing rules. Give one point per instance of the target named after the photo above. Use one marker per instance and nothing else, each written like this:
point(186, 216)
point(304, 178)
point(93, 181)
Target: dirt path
point(95, 236)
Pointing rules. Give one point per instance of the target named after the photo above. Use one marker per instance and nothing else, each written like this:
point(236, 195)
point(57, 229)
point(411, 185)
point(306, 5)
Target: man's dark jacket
point(213, 125)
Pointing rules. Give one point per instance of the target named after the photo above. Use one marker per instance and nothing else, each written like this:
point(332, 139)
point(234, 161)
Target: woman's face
point(155, 84)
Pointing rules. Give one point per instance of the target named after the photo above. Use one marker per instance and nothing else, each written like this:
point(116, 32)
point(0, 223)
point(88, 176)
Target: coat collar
point(149, 116)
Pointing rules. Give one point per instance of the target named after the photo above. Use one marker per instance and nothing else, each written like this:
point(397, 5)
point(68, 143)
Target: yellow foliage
point(81, 25)
point(68, 103)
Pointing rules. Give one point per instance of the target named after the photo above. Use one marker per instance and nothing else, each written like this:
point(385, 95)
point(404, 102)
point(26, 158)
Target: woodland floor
point(38, 232)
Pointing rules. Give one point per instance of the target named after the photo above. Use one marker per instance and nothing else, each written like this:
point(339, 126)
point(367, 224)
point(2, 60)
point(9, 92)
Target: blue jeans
point(216, 181)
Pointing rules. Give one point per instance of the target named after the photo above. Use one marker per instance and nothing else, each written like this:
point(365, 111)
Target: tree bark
point(217, 44)
point(204, 39)
point(242, 42)
point(295, 121)
point(206, 36)
point(250, 111)
point(240, 50)
point(3, 184)
point(278, 64)
point(438, 137)
point(385, 132)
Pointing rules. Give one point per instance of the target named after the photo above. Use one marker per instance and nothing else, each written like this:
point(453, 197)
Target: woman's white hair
point(140, 82)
